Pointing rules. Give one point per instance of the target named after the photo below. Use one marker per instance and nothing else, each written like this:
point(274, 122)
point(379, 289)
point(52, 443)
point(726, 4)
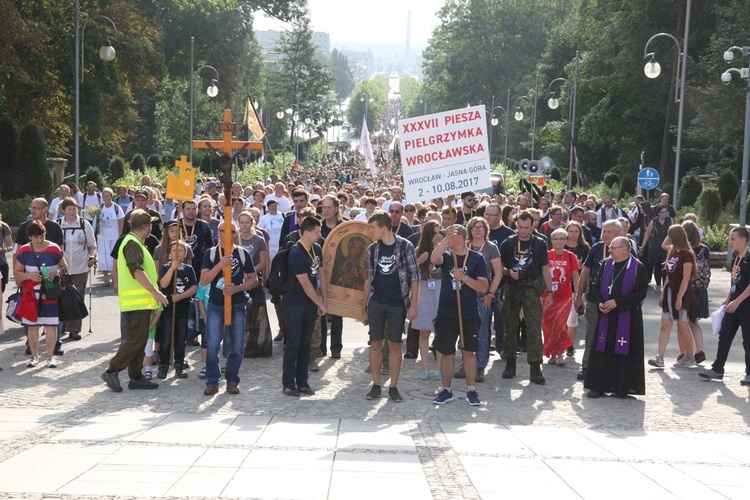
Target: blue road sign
point(648, 178)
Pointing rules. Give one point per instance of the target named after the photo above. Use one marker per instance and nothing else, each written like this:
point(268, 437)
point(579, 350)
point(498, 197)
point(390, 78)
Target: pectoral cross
point(602, 337)
point(622, 341)
point(227, 127)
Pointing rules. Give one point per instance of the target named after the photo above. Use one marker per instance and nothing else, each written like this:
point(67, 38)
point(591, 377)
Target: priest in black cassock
point(616, 362)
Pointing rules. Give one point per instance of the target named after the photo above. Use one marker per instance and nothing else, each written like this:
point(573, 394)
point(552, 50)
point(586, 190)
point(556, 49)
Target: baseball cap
point(315, 197)
point(140, 218)
point(461, 230)
point(210, 185)
point(170, 223)
point(140, 192)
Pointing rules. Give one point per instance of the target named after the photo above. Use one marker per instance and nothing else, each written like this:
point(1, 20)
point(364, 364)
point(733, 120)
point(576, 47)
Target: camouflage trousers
point(519, 298)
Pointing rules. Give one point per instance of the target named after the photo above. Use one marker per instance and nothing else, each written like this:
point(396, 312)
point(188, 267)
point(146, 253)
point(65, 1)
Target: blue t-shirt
point(386, 286)
point(499, 235)
point(301, 262)
point(216, 294)
point(474, 267)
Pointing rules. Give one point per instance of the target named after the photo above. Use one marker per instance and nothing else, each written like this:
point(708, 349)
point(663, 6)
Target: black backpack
point(278, 277)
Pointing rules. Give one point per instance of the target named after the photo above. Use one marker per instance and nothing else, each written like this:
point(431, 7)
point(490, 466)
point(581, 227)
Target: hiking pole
point(174, 289)
point(458, 303)
point(91, 278)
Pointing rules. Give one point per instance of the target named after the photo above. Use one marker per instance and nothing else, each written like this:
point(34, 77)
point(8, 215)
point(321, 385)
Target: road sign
point(648, 178)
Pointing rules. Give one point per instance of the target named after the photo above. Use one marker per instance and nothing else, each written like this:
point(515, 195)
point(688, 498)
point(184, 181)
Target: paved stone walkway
point(685, 439)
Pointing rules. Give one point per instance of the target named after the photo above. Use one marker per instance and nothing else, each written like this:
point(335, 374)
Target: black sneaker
point(291, 391)
point(510, 368)
point(700, 357)
point(581, 374)
point(570, 352)
point(306, 390)
point(74, 335)
point(445, 396)
point(181, 374)
point(374, 393)
point(395, 395)
point(459, 373)
point(113, 381)
point(142, 383)
point(473, 398)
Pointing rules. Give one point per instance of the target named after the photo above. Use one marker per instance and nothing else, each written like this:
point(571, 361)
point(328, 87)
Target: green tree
point(32, 161)
point(9, 158)
point(304, 82)
point(412, 101)
point(729, 186)
point(370, 96)
point(690, 189)
point(344, 77)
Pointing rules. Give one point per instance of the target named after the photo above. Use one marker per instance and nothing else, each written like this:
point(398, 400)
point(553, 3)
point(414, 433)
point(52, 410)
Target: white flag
point(365, 147)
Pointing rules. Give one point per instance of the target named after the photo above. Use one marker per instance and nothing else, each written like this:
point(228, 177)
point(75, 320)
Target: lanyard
point(480, 248)
point(311, 254)
point(185, 230)
point(736, 264)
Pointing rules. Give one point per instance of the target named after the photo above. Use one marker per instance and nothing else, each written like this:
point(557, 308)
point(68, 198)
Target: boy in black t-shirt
point(737, 308)
point(303, 301)
point(178, 283)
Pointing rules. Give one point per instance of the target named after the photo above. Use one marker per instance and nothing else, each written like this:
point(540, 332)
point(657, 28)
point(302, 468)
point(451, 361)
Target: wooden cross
point(227, 127)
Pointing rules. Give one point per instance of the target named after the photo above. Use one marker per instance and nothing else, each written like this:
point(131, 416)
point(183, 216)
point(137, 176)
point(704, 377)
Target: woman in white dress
point(110, 227)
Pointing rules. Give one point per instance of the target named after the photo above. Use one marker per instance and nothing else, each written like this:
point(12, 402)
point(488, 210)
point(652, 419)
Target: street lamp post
point(106, 54)
point(653, 69)
point(554, 103)
point(519, 114)
point(726, 78)
point(422, 100)
point(211, 91)
point(494, 122)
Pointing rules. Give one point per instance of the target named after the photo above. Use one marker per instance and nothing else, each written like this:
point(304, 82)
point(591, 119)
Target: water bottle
point(45, 274)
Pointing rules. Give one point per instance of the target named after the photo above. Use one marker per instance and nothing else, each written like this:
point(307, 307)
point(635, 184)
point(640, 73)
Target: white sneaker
point(32, 362)
point(657, 361)
point(51, 362)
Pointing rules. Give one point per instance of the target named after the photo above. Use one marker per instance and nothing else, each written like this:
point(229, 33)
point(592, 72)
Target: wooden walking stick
point(458, 303)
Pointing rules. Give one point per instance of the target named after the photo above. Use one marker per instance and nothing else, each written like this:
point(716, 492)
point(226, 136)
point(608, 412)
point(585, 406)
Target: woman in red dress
point(564, 268)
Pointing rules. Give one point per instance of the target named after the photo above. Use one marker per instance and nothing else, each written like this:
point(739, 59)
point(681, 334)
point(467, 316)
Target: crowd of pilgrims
point(485, 272)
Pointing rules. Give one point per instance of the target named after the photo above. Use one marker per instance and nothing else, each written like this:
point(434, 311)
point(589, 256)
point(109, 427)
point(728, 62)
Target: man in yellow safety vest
point(139, 298)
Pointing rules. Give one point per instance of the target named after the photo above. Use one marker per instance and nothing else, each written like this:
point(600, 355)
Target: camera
point(728, 56)
point(726, 78)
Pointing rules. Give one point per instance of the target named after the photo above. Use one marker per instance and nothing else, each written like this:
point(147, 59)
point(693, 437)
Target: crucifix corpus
point(225, 148)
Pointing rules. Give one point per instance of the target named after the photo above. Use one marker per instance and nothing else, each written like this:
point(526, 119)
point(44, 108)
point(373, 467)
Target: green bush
point(137, 163)
point(711, 209)
point(154, 161)
point(690, 190)
point(32, 161)
point(14, 212)
point(717, 237)
point(610, 179)
point(93, 174)
point(555, 174)
point(627, 188)
point(729, 187)
point(8, 157)
point(116, 168)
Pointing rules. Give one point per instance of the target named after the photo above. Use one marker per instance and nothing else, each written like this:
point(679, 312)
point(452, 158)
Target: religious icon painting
point(344, 254)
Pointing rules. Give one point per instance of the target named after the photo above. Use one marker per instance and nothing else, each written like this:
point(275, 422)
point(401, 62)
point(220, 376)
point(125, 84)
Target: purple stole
point(622, 337)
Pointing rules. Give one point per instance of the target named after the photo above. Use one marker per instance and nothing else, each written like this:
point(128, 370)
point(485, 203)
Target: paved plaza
point(63, 434)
